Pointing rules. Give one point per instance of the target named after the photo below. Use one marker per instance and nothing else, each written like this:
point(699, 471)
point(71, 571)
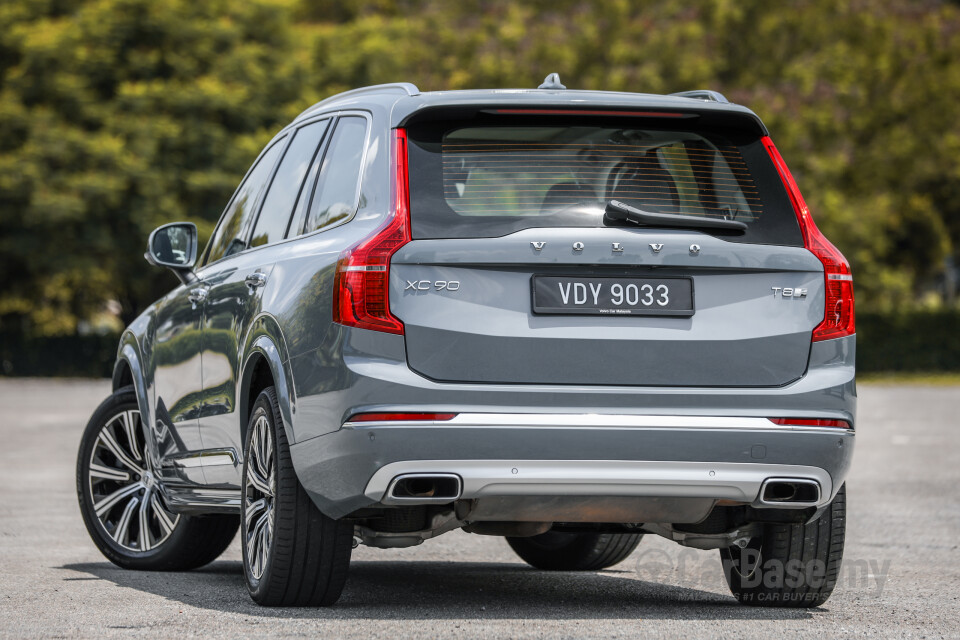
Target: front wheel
point(559, 551)
point(121, 502)
point(293, 555)
point(789, 565)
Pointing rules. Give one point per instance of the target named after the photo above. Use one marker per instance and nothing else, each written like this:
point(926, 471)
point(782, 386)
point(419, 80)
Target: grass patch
point(940, 379)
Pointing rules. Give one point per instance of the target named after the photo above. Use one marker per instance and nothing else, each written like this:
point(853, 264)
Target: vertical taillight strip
point(362, 283)
point(839, 316)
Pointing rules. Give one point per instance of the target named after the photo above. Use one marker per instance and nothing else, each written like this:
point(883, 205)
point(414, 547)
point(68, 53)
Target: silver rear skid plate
point(762, 485)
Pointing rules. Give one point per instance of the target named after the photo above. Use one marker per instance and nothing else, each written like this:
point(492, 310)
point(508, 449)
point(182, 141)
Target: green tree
point(117, 116)
point(860, 96)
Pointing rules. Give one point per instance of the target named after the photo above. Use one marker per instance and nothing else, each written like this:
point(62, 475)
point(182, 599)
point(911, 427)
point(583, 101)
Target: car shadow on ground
point(449, 590)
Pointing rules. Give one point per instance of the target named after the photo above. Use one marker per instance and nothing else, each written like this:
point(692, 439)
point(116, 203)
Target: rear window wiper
point(617, 211)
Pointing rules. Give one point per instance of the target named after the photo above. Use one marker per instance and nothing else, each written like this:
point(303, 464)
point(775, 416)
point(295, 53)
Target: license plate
point(613, 296)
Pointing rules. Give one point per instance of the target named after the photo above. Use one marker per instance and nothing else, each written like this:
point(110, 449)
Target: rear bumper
point(588, 455)
point(358, 370)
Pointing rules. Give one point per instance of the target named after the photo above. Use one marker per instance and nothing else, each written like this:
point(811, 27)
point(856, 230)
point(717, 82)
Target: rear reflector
point(401, 417)
point(810, 422)
point(838, 320)
point(362, 283)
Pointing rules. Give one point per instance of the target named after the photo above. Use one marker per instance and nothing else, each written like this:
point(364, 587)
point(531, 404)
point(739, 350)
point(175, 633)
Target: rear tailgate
point(501, 209)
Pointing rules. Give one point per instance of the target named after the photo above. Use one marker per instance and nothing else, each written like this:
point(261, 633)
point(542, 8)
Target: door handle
point(256, 279)
point(198, 295)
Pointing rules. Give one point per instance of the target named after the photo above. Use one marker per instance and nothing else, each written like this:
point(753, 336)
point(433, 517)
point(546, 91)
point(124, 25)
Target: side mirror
point(174, 246)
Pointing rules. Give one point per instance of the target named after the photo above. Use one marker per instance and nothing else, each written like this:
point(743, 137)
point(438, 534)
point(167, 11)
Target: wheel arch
point(122, 374)
point(265, 363)
point(128, 371)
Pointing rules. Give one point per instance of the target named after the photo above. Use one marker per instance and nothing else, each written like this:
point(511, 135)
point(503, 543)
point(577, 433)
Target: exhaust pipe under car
point(424, 488)
point(789, 492)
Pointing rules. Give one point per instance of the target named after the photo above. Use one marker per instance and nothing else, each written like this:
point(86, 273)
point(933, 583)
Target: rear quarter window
point(336, 193)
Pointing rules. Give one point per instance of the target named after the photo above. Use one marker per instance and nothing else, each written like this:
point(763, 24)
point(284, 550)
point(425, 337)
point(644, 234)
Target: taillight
point(401, 417)
point(810, 422)
point(839, 316)
point(362, 284)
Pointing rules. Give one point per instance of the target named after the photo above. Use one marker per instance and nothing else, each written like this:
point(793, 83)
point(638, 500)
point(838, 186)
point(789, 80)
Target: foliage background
point(119, 115)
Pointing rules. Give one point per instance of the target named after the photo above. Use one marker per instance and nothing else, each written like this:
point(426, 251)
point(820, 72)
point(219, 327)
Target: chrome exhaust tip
point(424, 488)
point(788, 493)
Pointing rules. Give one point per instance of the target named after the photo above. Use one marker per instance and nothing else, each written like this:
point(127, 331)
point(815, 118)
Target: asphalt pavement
point(900, 577)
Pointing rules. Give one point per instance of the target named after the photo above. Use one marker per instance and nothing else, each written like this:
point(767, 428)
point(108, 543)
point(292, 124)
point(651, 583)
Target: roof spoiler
point(703, 94)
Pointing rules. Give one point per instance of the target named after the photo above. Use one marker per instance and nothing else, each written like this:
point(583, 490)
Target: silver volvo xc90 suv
point(569, 318)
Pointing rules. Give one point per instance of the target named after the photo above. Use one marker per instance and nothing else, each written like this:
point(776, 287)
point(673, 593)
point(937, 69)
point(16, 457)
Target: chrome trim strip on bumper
point(192, 499)
point(580, 420)
point(736, 481)
point(205, 458)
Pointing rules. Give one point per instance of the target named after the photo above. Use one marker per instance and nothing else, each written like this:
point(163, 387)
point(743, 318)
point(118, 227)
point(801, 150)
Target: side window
point(228, 239)
point(335, 197)
point(278, 205)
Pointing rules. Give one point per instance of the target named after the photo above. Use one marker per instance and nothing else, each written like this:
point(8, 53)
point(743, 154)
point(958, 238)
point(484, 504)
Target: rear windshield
point(491, 180)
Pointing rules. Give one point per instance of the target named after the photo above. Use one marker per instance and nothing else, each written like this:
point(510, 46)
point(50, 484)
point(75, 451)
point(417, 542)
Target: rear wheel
point(789, 565)
point(293, 555)
point(559, 551)
point(122, 504)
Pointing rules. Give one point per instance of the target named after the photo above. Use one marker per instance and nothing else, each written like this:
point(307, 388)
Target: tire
point(558, 551)
point(121, 502)
point(789, 565)
point(293, 555)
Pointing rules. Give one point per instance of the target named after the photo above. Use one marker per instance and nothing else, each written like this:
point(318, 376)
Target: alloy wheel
point(126, 495)
point(258, 497)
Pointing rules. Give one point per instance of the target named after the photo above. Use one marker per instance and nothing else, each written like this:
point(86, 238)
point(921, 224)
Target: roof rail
point(406, 88)
point(703, 94)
